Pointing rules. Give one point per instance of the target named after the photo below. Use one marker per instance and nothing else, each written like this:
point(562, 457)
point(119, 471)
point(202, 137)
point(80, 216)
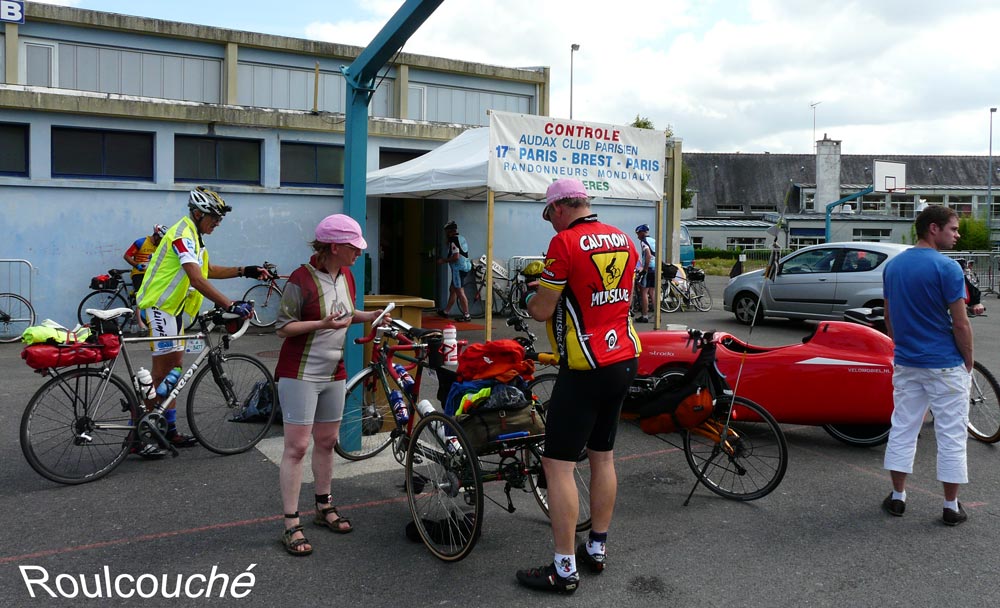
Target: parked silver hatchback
point(815, 282)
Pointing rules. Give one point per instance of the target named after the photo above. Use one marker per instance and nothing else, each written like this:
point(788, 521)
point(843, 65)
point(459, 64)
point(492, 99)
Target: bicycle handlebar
point(219, 316)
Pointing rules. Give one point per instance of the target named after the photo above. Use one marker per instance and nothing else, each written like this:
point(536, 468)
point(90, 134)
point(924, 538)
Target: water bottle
point(398, 407)
point(450, 442)
point(144, 381)
point(169, 382)
point(449, 348)
point(405, 380)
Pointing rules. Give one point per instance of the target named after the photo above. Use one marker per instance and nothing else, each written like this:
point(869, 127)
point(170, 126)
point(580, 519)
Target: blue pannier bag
point(258, 405)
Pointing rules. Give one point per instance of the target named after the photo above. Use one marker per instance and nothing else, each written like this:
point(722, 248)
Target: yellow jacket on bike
point(166, 286)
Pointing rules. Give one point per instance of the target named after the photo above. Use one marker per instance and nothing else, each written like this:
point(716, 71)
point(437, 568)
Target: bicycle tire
point(859, 435)
point(700, 296)
point(514, 299)
point(501, 300)
point(266, 304)
point(366, 413)
point(759, 459)
point(16, 315)
point(532, 458)
point(442, 486)
point(53, 427)
point(984, 405)
point(102, 299)
point(229, 382)
point(670, 301)
point(542, 387)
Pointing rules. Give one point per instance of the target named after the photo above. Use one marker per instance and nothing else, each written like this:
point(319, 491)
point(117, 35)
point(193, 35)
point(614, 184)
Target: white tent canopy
point(455, 170)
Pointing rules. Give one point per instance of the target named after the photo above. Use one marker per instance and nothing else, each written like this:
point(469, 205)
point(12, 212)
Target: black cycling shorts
point(584, 409)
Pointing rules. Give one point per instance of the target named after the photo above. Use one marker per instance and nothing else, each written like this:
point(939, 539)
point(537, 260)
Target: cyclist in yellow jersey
point(584, 293)
point(137, 256)
point(176, 282)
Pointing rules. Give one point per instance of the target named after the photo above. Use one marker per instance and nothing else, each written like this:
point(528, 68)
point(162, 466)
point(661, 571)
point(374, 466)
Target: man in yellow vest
point(176, 282)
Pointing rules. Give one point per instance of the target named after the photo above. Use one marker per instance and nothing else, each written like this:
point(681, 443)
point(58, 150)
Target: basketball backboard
point(889, 176)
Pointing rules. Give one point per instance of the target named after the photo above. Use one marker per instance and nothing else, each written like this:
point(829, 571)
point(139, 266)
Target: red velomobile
point(840, 377)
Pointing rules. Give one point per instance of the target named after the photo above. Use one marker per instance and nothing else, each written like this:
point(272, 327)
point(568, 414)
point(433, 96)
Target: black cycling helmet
point(451, 226)
point(207, 201)
point(641, 228)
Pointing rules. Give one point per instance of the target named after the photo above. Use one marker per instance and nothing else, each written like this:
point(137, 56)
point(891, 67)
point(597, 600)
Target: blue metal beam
point(846, 199)
point(360, 78)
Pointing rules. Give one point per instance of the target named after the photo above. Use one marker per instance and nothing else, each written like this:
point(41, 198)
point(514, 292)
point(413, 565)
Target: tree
point(643, 122)
point(975, 234)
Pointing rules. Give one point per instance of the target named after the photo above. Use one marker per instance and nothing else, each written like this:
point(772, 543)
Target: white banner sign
point(527, 153)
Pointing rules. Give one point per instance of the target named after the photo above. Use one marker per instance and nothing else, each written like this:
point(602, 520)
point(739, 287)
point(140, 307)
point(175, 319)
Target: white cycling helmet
point(207, 201)
point(159, 230)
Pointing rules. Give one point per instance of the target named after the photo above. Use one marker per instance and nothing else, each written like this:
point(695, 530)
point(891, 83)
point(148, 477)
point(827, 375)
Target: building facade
point(108, 120)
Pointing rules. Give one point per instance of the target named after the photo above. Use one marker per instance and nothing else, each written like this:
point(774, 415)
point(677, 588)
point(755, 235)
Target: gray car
point(815, 282)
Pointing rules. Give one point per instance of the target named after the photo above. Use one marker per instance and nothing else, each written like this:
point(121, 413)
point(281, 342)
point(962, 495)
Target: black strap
point(291, 515)
point(324, 499)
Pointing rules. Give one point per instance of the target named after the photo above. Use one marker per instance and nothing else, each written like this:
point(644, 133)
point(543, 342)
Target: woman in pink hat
point(316, 308)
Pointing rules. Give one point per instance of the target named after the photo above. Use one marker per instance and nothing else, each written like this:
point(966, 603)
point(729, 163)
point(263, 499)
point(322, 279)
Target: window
point(729, 207)
point(872, 235)
point(745, 242)
point(216, 159)
point(811, 261)
point(857, 260)
point(798, 242)
point(38, 64)
point(416, 103)
point(961, 204)
point(312, 165)
point(873, 203)
point(698, 241)
point(13, 149)
point(101, 154)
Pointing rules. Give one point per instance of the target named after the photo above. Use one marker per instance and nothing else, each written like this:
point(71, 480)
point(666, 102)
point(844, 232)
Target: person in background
point(137, 256)
point(176, 282)
point(458, 260)
point(317, 306)
point(926, 318)
point(646, 269)
point(584, 295)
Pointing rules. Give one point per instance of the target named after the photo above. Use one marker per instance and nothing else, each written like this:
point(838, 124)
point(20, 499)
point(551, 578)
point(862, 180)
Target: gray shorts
point(304, 402)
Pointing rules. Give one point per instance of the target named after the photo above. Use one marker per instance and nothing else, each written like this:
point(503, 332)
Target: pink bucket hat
point(341, 230)
point(566, 187)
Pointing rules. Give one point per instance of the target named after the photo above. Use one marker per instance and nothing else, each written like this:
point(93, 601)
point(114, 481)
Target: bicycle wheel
point(266, 304)
point(16, 315)
point(444, 488)
point(750, 464)
point(860, 435)
point(101, 300)
point(79, 426)
point(984, 405)
point(516, 293)
point(532, 458)
point(670, 300)
point(700, 296)
point(542, 387)
point(501, 300)
point(367, 425)
point(219, 394)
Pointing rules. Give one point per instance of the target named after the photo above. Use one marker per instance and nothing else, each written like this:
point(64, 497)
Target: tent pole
point(489, 264)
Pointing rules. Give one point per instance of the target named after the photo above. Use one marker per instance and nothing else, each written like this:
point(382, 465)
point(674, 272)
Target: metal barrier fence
point(985, 265)
point(15, 277)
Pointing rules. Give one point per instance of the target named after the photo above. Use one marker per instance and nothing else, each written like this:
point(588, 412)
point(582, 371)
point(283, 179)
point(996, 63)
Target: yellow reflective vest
point(166, 286)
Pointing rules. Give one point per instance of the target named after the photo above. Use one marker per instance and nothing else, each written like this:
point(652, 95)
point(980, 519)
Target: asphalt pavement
point(819, 540)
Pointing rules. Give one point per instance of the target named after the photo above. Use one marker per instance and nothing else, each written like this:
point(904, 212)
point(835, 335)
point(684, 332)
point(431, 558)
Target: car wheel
point(745, 308)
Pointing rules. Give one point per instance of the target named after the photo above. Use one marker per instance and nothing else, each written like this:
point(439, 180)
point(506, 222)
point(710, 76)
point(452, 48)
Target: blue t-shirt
point(457, 245)
point(919, 284)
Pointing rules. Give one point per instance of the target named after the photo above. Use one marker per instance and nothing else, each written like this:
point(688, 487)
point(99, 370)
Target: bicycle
point(266, 297)
point(476, 282)
point(739, 452)
point(444, 471)
point(82, 423)
point(689, 292)
point(16, 315)
point(110, 292)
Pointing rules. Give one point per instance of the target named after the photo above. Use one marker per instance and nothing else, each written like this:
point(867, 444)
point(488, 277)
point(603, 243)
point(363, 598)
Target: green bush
point(708, 252)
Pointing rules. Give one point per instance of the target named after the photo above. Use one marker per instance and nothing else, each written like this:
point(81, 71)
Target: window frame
point(27, 150)
point(22, 60)
point(104, 175)
point(216, 141)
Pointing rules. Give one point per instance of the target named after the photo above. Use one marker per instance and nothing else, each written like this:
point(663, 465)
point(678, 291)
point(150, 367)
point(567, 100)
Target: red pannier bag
point(498, 359)
point(43, 356)
point(694, 409)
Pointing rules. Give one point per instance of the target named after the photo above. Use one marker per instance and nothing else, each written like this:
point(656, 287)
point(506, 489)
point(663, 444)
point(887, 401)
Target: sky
point(882, 76)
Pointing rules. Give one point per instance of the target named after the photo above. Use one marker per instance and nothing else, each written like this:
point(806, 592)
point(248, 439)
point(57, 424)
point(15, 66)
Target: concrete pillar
point(230, 68)
point(10, 52)
point(827, 172)
point(402, 91)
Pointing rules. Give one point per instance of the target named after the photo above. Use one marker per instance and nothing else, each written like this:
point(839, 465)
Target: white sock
point(565, 565)
point(951, 504)
point(596, 547)
point(899, 495)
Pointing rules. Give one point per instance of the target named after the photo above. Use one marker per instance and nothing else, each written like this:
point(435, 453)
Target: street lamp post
point(572, 49)
point(813, 106)
point(989, 177)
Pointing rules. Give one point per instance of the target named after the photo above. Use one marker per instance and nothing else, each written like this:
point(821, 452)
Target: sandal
point(292, 544)
point(336, 525)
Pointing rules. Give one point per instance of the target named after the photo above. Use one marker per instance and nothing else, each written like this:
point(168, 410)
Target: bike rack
point(15, 276)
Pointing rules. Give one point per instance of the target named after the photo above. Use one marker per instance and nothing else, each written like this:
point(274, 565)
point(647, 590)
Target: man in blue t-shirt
point(926, 318)
point(458, 260)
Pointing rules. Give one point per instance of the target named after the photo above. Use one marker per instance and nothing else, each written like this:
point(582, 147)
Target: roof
point(726, 223)
point(771, 179)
